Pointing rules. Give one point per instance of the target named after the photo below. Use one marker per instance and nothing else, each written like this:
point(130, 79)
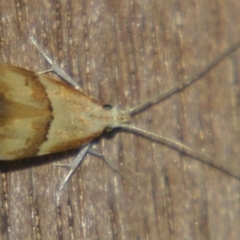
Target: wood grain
point(122, 52)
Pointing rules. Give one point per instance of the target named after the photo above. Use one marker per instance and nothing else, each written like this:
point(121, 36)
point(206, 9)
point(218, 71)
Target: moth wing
point(40, 115)
point(24, 113)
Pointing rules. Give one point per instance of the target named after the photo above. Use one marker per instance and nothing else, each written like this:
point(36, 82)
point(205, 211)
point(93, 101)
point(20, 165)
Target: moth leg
point(54, 67)
point(73, 167)
point(113, 166)
point(77, 161)
point(62, 165)
point(86, 149)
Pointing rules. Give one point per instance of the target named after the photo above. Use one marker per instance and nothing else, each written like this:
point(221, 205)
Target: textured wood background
point(123, 52)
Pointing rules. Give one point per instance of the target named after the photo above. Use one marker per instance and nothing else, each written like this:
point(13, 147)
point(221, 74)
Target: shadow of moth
point(35, 108)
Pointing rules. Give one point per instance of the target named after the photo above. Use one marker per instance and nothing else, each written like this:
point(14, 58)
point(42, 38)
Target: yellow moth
point(40, 115)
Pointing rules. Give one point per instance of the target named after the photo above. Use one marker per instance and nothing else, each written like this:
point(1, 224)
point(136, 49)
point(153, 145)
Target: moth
point(40, 115)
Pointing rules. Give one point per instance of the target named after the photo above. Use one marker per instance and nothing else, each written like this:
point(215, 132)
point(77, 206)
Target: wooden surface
point(122, 52)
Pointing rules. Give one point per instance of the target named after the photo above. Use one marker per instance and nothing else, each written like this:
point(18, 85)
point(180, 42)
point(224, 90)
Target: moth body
point(40, 115)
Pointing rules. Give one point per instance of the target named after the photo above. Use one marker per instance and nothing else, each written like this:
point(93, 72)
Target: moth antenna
point(162, 96)
point(183, 84)
point(201, 156)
